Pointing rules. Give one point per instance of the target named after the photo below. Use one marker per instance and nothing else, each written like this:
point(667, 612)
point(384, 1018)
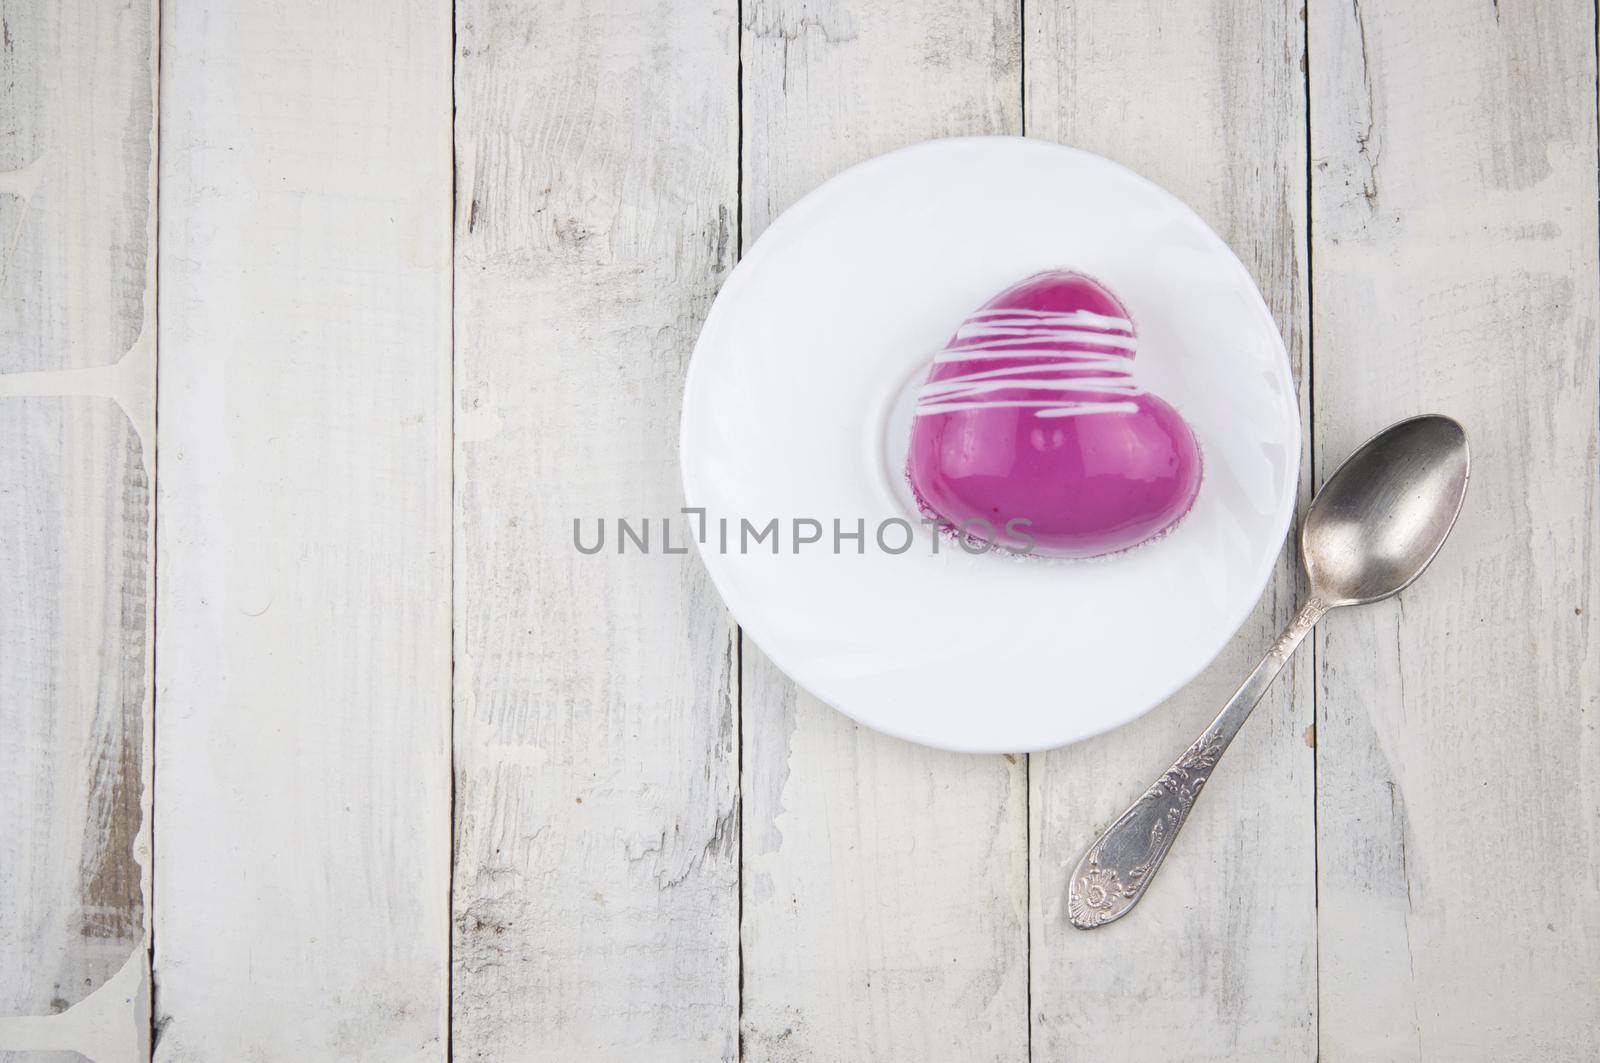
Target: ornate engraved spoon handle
point(1118, 867)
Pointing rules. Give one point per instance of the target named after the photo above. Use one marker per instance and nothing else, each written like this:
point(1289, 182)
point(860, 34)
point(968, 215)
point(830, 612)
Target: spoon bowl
point(1384, 514)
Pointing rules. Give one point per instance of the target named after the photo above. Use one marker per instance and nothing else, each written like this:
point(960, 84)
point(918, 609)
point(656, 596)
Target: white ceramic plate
point(798, 406)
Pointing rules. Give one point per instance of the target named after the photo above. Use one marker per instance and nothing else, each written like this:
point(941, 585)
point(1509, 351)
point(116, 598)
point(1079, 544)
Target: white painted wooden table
point(307, 705)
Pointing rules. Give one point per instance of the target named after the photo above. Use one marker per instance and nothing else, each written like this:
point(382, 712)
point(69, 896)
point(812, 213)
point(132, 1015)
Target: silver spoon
point(1371, 530)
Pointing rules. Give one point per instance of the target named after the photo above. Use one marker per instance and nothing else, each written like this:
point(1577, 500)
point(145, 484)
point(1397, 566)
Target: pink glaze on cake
point(1032, 413)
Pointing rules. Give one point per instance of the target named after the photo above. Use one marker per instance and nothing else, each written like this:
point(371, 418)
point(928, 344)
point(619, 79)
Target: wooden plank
point(1206, 99)
point(302, 797)
point(596, 892)
point(77, 405)
point(884, 884)
point(1455, 270)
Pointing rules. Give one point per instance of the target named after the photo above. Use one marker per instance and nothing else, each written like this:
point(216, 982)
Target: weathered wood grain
point(1454, 187)
point(77, 403)
point(885, 910)
point(303, 665)
point(1218, 962)
point(596, 897)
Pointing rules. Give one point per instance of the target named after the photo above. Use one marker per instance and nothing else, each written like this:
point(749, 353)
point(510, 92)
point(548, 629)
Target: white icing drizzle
point(1076, 318)
point(1085, 360)
point(1041, 409)
point(1050, 334)
point(1109, 385)
point(1076, 343)
point(1119, 370)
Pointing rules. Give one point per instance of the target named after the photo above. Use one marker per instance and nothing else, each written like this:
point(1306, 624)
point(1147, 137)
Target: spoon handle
point(1114, 874)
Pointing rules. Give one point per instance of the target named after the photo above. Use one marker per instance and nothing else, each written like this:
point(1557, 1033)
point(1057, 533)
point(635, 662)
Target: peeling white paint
point(130, 382)
point(110, 1025)
point(302, 895)
point(77, 290)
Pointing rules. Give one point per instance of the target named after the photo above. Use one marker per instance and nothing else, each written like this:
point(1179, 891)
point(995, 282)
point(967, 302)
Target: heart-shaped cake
point(1033, 434)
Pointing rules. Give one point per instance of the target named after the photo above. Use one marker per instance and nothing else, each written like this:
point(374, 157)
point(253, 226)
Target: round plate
point(798, 409)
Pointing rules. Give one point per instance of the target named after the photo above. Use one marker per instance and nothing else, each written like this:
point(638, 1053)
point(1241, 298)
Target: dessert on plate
point(1032, 432)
